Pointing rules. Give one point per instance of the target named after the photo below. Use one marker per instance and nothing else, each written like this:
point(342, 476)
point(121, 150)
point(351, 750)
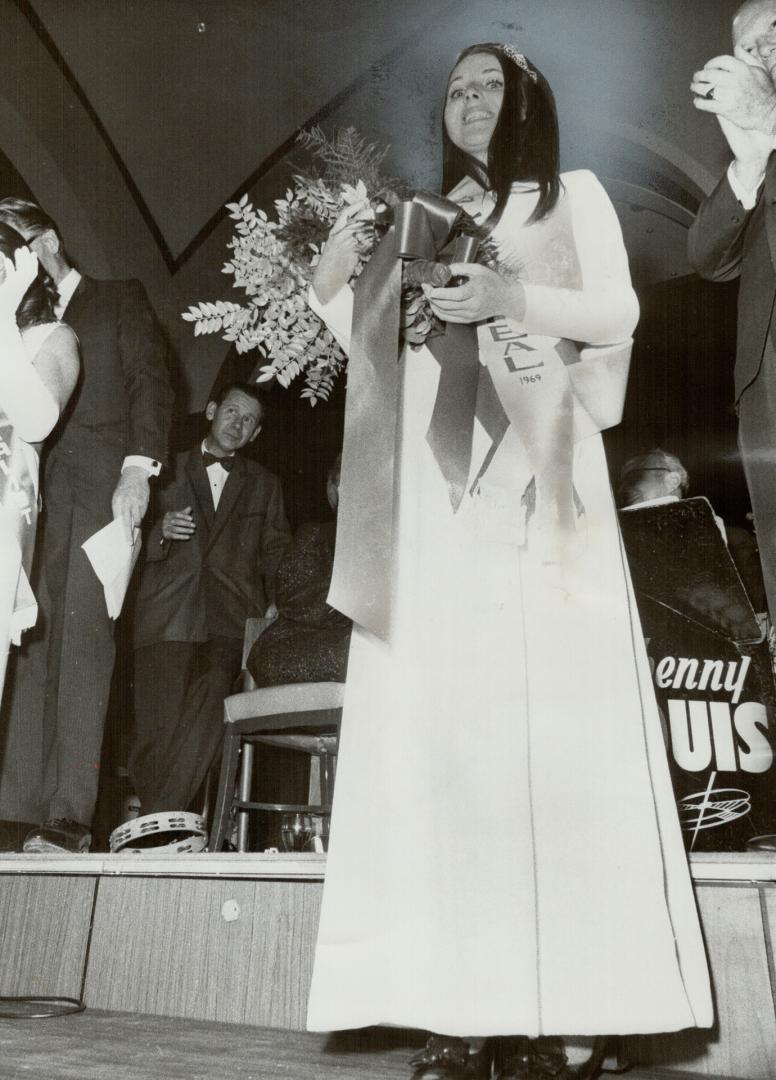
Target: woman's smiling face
point(475, 94)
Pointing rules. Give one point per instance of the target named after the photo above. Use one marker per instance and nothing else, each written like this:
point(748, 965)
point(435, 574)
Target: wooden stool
point(304, 716)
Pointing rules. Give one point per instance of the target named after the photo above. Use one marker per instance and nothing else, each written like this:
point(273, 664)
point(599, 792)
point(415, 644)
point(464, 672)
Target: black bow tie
point(226, 463)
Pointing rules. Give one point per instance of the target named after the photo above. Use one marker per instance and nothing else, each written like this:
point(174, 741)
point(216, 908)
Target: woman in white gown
point(38, 372)
point(505, 856)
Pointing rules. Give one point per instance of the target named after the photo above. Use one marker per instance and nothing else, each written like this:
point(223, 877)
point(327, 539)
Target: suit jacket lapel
point(769, 195)
point(229, 496)
point(83, 291)
point(201, 487)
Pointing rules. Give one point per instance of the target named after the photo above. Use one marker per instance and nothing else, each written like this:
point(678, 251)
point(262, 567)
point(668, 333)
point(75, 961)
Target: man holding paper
point(219, 535)
point(111, 440)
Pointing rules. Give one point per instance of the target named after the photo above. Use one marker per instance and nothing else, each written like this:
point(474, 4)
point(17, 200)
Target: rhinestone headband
point(519, 59)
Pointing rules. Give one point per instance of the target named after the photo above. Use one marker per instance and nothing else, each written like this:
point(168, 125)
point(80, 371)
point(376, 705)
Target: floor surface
point(119, 1046)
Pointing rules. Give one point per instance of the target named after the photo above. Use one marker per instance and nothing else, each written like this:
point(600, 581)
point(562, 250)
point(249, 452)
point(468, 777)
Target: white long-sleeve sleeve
point(337, 314)
point(24, 397)
point(605, 309)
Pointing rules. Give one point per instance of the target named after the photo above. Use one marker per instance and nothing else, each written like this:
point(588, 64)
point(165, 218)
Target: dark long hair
point(525, 144)
point(37, 305)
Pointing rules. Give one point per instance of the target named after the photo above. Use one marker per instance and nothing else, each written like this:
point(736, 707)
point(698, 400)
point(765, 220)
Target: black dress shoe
point(445, 1057)
point(56, 836)
point(762, 843)
point(545, 1058)
point(12, 834)
point(532, 1059)
point(592, 1068)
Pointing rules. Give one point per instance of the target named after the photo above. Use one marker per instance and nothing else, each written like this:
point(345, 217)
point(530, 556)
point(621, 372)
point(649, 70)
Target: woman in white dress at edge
point(39, 367)
point(506, 865)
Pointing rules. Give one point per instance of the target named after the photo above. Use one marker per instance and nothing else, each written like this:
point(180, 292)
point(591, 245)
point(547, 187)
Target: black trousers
point(179, 695)
point(57, 700)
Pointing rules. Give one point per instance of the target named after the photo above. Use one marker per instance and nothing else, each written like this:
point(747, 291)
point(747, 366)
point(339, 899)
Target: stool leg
point(246, 776)
point(207, 795)
point(225, 794)
point(328, 768)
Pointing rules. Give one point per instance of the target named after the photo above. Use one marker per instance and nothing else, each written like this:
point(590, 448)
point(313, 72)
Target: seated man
point(218, 537)
point(652, 478)
point(659, 477)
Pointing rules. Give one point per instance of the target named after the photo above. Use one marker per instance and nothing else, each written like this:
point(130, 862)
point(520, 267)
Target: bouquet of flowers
point(273, 262)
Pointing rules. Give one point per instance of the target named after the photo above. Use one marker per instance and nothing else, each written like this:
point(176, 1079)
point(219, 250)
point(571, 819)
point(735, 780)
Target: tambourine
point(135, 837)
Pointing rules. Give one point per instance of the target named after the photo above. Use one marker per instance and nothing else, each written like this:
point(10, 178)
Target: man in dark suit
point(211, 559)
point(111, 440)
point(734, 235)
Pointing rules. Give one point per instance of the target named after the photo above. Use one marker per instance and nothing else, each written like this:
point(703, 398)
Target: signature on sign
point(713, 807)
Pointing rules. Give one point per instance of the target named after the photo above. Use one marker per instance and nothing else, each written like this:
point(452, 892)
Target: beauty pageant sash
point(583, 395)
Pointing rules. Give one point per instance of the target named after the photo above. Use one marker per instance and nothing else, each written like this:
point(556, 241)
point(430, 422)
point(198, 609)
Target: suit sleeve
point(275, 538)
point(167, 497)
point(156, 547)
point(144, 357)
point(716, 239)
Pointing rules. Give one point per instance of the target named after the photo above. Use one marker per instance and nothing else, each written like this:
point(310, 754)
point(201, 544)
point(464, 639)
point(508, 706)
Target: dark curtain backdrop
point(680, 391)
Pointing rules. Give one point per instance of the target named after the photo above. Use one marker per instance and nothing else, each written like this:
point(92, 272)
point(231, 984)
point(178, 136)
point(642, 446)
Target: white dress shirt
point(66, 288)
point(217, 476)
point(746, 196)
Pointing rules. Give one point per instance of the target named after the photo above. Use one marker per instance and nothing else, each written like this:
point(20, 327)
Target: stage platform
point(96, 1045)
point(229, 939)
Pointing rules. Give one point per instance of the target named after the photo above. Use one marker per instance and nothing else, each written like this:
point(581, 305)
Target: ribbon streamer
point(362, 577)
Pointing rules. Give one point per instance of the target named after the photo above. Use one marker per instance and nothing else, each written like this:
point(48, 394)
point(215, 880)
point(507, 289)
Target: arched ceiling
point(133, 121)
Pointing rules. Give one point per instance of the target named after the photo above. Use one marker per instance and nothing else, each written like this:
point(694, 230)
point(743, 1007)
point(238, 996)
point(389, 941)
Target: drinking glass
point(296, 830)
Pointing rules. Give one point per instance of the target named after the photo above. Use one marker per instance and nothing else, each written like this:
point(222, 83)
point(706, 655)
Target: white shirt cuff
point(152, 467)
point(745, 196)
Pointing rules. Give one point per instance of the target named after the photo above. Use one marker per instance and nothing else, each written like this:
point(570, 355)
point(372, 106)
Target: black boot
point(531, 1059)
point(446, 1057)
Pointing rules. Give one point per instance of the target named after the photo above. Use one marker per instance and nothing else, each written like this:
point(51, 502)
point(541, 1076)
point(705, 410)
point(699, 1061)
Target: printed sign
point(713, 677)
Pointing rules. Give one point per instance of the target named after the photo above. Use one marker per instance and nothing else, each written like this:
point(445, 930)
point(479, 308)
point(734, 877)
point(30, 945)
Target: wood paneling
point(164, 946)
point(44, 930)
point(240, 951)
point(743, 1040)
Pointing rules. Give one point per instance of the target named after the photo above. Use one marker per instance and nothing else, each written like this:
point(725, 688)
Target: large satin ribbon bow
point(362, 576)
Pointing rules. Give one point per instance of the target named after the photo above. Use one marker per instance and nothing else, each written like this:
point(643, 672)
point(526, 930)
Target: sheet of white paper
point(113, 561)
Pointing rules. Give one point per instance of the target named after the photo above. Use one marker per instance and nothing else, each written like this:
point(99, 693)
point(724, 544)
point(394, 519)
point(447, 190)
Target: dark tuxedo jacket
point(193, 590)
point(123, 401)
point(725, 242)
point(122, 405)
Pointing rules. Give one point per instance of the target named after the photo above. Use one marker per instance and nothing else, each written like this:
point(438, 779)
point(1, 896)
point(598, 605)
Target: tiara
point(519, 59)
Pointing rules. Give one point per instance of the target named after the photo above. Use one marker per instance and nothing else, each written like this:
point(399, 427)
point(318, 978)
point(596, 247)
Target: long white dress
point(18, 514)
point(505, 856)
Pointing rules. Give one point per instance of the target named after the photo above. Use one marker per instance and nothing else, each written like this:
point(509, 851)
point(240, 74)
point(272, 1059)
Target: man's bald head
point(754, 32)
